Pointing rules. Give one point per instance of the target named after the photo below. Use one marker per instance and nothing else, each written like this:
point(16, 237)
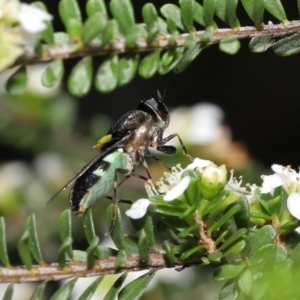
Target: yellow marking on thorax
point(104, 140)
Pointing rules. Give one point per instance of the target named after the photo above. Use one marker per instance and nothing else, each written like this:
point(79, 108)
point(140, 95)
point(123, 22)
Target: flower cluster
point(202, 184)
point(173, 185)
point(20, 24)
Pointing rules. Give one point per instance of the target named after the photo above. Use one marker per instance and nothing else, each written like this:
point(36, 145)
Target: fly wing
point(89, 165)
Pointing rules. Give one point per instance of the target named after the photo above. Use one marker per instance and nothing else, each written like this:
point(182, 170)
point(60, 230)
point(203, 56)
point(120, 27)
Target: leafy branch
point(173, 39)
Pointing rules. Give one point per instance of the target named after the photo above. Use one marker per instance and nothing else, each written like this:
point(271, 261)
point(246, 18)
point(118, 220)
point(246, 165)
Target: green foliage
point(121, 33)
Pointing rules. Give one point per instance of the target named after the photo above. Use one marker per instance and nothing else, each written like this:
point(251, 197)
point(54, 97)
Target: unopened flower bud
point(213, 180)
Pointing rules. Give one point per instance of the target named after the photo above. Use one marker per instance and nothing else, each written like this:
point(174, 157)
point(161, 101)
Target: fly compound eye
point(158, 110)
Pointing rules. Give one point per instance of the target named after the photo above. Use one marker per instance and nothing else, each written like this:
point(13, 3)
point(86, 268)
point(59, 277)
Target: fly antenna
point(161, 97)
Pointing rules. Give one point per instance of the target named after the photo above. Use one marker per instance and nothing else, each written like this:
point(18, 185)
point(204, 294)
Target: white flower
point(138, 209)
point(198, 163)
point(32, 19)
point(178, 189)
point(270, 183)
point(290, 178)
point(293, 205)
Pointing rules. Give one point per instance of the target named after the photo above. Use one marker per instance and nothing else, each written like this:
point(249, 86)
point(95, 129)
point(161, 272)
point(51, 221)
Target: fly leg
point(115, 197)
point(161, 162)
point(160, 145)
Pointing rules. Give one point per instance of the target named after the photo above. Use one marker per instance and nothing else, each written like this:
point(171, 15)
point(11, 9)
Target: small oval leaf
point(230, 45)
point(122, 11)
point(80, 79)
point(16, 84)
point(107, 75)
point(172, 11)
point(53, 73)
point(149, 64)
point(95, 6)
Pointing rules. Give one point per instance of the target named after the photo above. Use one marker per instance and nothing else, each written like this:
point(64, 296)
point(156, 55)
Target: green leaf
point(235, 250)
point(143, 247)
point(275, 8)
point(114, 290)
point(33, 239)
point(187, 14)
point(288, 45)
point(3, 248)
point(91, 289)
point(162, 26)
point(88, 226)
point(226, 11)
point(91, 250)
point(228, 271)
point(242, 219)
point(150, 18)
point(65, 291)
point(184, 233)
point(122, 11)
point(111, 32)
point(229, 291)
point(107, 75)
point(198, 13)
point(95, 6)
point(262, 237)
point(208, 12)
point(8, 295)
point(260, 44)
point(234, 238)
point(65, 225)
point(215, 256)
point(245, 281)
point(131, 244)
point(235, 209)
point(93, 27)
point(134, 290)
point(24, 251)
point(121, 259)
point(53, 73)
point(127, 68)
point(296, 254)
point(62, 39)
point(188, 57)
point(38, 293)
point(16, 84)
point(135, 33)
point(70, 14)
point(116, 233)
point(170, 255)
point(167, 233)
point(230, 45)
point(65, 252)
point(47, 34)
point(80, 79)
point(79, 255)
point(169, 60)
point(149, 64)
point(173, 12)
point(190, 252)
point(144, 226)
point(230, 13)
point(270, 253)
point(255, 10)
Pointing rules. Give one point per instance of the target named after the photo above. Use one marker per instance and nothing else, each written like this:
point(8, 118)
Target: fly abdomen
point(98, 181)
point(80, 189)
